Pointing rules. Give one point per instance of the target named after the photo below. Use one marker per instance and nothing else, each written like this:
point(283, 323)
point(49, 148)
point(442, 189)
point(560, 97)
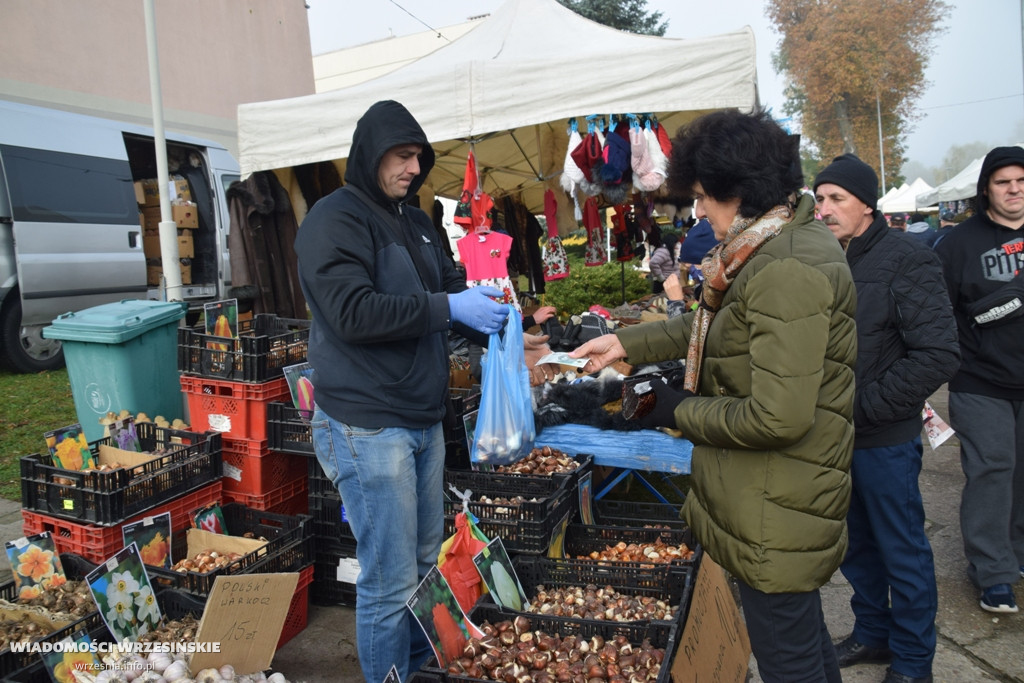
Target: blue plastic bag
point(505, 430)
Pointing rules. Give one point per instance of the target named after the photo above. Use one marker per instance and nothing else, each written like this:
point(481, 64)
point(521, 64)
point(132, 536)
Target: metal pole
point(881, 151)
point(168, 228)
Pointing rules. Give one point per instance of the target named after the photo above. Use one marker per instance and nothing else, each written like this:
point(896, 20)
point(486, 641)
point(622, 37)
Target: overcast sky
point(976, 91)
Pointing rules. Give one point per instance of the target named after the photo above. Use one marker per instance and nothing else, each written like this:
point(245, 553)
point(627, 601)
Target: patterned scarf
point(743, 239)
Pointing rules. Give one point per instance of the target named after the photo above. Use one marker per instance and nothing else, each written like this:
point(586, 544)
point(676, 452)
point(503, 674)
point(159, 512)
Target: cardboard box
point(185, 215)
point(715, 645)
point(151, 244)
point(155, 272)
point(150, 189)
point(245, 613)
point(109, 455)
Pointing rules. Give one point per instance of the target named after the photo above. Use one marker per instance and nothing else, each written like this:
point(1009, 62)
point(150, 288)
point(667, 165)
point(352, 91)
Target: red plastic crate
point(236, 409)
point(251, 468)
point(298, 611)
point(98, 543)
point(290, 499)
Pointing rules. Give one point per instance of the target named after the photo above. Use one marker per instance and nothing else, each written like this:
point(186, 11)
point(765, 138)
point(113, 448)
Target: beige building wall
point(90, 56)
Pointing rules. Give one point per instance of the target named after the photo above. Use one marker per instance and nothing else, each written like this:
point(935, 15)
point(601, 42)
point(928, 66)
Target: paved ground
point(973, 645)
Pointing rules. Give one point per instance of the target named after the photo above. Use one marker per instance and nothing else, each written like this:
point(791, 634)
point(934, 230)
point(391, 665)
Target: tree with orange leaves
point(849, 58)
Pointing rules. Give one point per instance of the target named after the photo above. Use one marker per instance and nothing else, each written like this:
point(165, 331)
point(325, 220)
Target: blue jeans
point(889, 562)
point(391, 481)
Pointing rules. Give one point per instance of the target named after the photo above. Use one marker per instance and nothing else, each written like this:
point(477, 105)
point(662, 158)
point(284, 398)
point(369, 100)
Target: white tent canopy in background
point(963, 185)
point(905, 198)
point(509, 87)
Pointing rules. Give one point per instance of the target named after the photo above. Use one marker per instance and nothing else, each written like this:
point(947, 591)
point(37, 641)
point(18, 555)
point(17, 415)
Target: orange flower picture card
point(35, 564)
point(69, 449)
point(152, 535)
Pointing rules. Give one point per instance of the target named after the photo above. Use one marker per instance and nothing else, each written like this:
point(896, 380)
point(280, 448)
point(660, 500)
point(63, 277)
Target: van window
point(57, 187)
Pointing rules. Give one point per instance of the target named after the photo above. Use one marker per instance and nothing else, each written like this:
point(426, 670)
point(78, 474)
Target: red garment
point(485, 255)
point(663, 141)
point(463, 211)
point(595, 254)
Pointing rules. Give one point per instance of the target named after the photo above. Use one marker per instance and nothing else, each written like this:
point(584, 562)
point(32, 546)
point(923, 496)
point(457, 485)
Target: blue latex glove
point(474, 308)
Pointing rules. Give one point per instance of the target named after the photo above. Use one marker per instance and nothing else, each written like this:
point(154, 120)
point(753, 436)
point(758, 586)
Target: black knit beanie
point(854, 176)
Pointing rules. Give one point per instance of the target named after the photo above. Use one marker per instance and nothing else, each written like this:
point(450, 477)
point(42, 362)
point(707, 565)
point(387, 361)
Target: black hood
point(385, 125)
point(995, 160)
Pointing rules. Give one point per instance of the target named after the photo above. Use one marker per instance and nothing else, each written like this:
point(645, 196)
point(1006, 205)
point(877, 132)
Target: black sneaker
point(999, 599)
point(850, 652)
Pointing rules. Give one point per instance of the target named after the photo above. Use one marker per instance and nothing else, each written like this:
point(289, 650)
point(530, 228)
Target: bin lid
point(116, 322)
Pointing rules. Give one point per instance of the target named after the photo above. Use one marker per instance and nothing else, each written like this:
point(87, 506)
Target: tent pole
point(622, 272)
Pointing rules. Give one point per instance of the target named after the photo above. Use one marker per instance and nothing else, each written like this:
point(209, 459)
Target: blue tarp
point(648, 450)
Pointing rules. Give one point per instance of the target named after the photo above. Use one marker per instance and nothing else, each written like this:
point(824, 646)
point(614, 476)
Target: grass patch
point(29, 406)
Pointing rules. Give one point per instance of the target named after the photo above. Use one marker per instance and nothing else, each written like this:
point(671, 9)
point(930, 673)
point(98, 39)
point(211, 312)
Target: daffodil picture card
point(124, 595)
point(152, 535)
point(69, 449)
point(35, 564)
point(77, 655)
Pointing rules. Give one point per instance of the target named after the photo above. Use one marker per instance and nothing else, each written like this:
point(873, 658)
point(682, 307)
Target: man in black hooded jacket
point(983, 258)
point(383, 295)
point(906, 350)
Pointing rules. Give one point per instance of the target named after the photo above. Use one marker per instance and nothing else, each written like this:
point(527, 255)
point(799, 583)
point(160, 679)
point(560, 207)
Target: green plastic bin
point(121, 356)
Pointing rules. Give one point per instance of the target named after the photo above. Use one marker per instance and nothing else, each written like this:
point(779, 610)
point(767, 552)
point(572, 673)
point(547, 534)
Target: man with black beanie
point(983, 258)
point(906, 350)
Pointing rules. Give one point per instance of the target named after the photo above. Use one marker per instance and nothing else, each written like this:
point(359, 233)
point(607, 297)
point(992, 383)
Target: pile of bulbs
point(541, 461)
point(603, 604)
point(205, 561)
point(163, 667)
point(657, 552)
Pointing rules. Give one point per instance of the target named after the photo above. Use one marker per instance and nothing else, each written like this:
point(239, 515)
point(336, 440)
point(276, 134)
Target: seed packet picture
point(496, 569)
point(447, 627)
point(152, 536)
point(69, 449)
point(300, 384)
point(35, 565)
point(124, 595)
point(59, 664)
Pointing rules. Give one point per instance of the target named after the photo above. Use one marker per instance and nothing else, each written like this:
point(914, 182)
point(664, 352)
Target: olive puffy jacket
point(772, 426)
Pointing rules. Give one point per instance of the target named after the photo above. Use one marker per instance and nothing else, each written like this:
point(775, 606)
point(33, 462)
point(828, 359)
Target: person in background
point(983, 259)
point(383, 295)
point(919, 229)
point(947, 221)
point(906, 349)
point(699, 240)
point(663, 261)
point(768, 395)
point(898, 221)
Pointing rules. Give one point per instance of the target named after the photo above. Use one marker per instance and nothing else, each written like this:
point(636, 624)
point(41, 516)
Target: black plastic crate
point(326, 590)
point(582, 539)
point(289, 548)
point(287, 432)
point(265, 345)
point(469, 478)
point(659, 582)
point(637, 514)
point(108, 498)
point(523, 528)
point(37, 673)
point(19, 664)
point(663, 635)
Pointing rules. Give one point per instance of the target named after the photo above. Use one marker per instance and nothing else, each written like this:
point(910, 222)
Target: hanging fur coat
point(264, 269)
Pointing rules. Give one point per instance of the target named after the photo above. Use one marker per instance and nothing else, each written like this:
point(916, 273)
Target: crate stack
point(335, 566)
point(228, 384)
point(85, 510)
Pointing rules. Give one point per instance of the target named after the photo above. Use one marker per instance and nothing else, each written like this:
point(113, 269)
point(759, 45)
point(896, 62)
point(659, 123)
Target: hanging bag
point(505, 429)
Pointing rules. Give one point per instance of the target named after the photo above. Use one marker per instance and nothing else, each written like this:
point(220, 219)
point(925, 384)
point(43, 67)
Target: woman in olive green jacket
point(768, 398)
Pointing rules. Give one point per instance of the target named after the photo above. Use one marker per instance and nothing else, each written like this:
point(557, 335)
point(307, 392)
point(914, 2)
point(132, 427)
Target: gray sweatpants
point(991, 432)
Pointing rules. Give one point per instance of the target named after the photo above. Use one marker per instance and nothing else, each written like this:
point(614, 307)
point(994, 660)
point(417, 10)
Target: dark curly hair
point(732, 155)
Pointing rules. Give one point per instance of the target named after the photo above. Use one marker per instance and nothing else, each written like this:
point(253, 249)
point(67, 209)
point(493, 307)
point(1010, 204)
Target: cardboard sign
point(715, 645)
point(245, 613)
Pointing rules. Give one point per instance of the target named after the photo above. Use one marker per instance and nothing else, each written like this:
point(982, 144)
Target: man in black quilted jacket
point(906, 349)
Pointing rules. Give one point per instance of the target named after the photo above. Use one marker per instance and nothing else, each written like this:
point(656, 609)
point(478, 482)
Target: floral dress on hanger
point(485, 255)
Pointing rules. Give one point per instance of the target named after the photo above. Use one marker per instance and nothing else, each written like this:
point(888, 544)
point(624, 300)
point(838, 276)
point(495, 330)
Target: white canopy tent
point(963, 185)
point(904, 199)
point(508, 89)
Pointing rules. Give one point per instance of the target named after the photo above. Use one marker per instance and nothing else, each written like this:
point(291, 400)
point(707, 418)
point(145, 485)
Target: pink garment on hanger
point(485, 255)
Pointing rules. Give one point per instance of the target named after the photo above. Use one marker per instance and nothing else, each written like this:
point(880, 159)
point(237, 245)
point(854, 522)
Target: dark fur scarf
point(596, 403)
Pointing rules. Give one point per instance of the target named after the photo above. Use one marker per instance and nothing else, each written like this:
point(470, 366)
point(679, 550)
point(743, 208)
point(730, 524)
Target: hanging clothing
point(624, 250)
point(556, 263)
point(596, 254)
point(485, 255)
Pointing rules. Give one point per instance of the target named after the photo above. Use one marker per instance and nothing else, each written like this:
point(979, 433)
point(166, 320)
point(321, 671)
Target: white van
point(70, 232)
